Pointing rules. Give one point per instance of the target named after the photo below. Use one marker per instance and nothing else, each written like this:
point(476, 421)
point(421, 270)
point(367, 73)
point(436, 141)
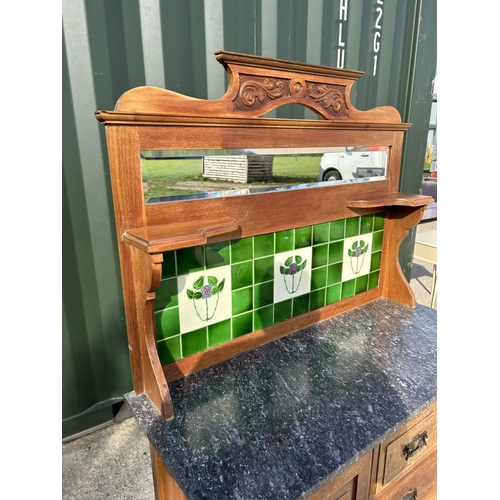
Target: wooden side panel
point(352, 484)
point(164, 484)
point(128, 201)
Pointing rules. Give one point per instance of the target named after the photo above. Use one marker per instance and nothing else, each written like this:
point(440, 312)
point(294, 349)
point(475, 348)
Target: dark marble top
point(280, 421)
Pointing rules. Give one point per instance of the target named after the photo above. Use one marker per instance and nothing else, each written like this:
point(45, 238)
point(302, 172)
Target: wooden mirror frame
point(150, 118)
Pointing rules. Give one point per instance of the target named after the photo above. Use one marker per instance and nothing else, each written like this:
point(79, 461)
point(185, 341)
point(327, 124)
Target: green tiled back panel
point(249, 293)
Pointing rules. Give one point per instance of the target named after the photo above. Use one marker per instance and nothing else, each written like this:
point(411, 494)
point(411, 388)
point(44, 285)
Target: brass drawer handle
point(411, 495)
point(415, 445)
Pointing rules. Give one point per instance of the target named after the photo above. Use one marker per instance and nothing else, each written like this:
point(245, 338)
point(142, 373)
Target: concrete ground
point(421, 276)
point(113, 463)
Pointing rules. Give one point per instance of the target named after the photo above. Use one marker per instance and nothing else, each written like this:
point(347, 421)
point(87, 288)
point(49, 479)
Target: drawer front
point(419, 484)
point(352, 484)
point(405, 448)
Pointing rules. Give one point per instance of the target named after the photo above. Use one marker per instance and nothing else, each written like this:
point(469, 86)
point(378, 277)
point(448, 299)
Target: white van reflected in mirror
point(354, 163)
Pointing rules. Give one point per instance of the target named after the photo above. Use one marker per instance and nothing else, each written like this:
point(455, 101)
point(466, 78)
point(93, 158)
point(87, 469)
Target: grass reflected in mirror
point(170, 175)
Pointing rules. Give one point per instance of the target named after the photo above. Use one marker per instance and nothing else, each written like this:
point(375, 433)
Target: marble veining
point(282, 420)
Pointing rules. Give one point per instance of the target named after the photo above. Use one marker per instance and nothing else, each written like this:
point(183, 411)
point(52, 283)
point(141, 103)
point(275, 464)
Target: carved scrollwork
point(330, 97)
point(257, 92)
point(253, 90)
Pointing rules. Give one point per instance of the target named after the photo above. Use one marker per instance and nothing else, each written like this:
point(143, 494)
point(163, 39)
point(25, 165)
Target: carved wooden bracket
point(147, 272)
point(399, 220)
point(404, 211)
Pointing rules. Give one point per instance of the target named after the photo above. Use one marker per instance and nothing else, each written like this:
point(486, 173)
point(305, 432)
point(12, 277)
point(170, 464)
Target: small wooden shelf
point(391, 200)
point(156, 239)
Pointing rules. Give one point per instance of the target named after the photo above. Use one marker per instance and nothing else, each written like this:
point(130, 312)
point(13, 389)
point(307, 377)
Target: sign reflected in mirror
point(176, 175)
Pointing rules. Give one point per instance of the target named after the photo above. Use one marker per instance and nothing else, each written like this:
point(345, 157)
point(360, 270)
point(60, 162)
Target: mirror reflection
point(171, 175)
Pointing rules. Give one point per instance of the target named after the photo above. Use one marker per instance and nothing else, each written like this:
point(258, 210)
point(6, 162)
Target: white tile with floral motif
point(204, 298)
point(292, 273)
point(357, 256)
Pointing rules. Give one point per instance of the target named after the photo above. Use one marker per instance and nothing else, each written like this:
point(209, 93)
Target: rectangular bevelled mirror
point(176, 175)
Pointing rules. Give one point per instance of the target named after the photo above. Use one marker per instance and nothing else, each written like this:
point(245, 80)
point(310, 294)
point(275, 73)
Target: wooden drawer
point(419, 483)
point(407, 447)
point(352, 484)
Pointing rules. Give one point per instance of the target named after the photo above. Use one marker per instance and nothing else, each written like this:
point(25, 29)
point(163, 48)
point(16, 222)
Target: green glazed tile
point(169, 350)
point(378, 221)
point(263, 294)
point(303, 237)
point(348, 288)
point(284, 241)
point(166, 294)
point(168, 265)
point(242, 324)
point(319, 256)
point(300, 305)
point(321, 233)
point(264, 317)
point(318, 278)
point(336, 252)
point(263, 245)
point(241, 275)
point(263, 269)
point(242, 300)
point(241, 250)
point(373, 280)
point(334, 274)
point(361, 284)
point(352, 227)
point(190, 260)
point(317, 299)
point(377, 241)
point(219, 333)
point(217, 254)
point(167, 323)
point(366, 224)
point(376, 260)
point(194, 341)
point(333, 293)
point(337, 230)
point(282, 310)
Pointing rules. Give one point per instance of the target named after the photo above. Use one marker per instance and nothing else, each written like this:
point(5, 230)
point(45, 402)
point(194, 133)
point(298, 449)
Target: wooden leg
point(165, 486)
point(434, 287)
